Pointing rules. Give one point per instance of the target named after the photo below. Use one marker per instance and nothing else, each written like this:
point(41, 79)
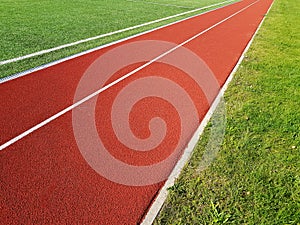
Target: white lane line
point(105, 35)
point(24, 134)
point(162, 196)
point(156, 3)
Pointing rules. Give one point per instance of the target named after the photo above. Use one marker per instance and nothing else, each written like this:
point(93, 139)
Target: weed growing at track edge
point(255, 178)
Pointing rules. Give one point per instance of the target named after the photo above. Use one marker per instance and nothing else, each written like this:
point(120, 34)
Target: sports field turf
point(255, 178)
point(30, 26)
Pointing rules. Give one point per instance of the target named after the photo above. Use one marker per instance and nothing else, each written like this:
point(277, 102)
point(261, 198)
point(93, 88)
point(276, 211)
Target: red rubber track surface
point(44, 178)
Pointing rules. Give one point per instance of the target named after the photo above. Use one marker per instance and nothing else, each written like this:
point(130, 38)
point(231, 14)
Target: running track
point(45, 177)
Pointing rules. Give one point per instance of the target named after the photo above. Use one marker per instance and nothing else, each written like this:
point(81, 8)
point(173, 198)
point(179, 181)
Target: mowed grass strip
point(31, 26)
point(255, 178)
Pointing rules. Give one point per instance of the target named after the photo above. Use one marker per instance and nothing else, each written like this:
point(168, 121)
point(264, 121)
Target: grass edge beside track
point(255, 178)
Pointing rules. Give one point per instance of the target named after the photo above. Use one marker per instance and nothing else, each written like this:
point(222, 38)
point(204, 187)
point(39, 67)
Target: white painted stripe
point(26, 72)
point(104, 35)
point(36, 127)
point(162, 196)
point(156, 3)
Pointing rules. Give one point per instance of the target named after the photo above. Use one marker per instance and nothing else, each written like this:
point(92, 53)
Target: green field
point(255, 178)
point(32, 25)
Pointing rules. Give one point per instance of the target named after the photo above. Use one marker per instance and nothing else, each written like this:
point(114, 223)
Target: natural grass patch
point(255, 178)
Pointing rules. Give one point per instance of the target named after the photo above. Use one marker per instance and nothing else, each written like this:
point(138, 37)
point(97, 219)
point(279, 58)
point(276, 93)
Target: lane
point(47, 178)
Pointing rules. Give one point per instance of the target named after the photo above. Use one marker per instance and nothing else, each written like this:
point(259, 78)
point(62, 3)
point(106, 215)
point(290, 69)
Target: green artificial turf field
point(32, 25)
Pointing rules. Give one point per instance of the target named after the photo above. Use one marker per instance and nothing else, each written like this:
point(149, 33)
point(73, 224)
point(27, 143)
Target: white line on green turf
point(105, 35)
point(155, 3)
point(44, 66)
